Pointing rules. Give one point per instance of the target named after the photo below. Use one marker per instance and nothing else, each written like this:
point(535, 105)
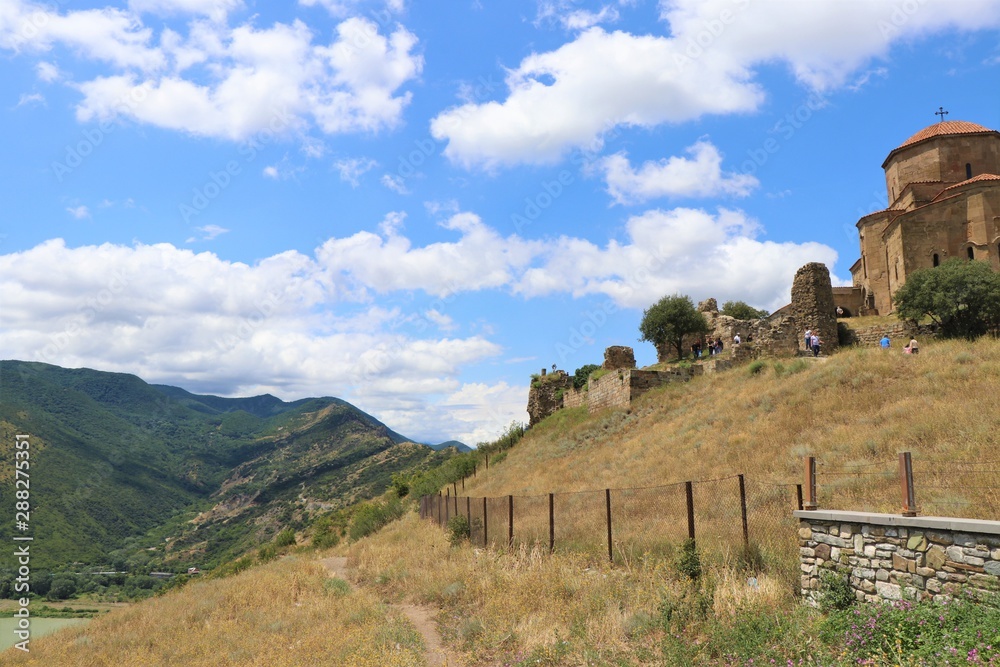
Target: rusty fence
point(726, 517)
point(909, 485)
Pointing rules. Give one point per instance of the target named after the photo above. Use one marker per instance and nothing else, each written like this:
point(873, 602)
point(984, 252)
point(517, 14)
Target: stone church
point(943, 187)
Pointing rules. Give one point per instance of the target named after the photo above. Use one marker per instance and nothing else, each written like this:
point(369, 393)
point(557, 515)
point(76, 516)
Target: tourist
point(884, 343)
point(814, 343)
point(913, 346)
point(736, 339)
point(809, 334)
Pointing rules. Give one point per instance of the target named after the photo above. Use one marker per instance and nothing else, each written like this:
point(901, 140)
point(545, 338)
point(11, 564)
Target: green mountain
point(457, 444)
point(122, 469)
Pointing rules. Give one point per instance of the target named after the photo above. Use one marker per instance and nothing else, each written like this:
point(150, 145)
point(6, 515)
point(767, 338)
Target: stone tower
point(812, 303)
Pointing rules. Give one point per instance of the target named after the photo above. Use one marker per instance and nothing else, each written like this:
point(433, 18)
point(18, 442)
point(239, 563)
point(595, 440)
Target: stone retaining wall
point(891, 557)
point(899, 334)
point(617, 389)
point(574, 398)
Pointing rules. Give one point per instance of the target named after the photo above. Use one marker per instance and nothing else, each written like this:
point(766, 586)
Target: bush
point(688, 561)
point(582, 374)
point(458, 530)
point(741, 311)
point(962, 297)
point(756, 367)
point(285, 538)
point(836, 593)
point(371, 516)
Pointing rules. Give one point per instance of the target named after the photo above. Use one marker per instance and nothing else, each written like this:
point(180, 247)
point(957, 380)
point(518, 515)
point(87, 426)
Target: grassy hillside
point(154, 476)
point(854, 411)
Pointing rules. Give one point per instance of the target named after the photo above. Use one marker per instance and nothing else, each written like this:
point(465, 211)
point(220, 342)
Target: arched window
point(972, 255)
point(896, 267)
point(937, 260)
point(968, 170)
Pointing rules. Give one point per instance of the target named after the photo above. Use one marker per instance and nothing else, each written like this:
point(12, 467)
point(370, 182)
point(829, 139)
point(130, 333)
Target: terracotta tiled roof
point(947, 127)
point(975, 179)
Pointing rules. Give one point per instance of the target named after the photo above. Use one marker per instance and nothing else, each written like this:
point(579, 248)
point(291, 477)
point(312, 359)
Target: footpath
point(420, 617)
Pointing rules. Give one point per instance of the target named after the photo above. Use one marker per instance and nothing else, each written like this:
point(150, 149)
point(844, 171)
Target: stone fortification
point(618, 356)
point(617, 389)
point(546, 394)
point(890, 557)
point(574, 398)
point(899, 334)
point(812, 304)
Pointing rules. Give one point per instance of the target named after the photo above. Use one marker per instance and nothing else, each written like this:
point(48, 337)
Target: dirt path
point(420, 617)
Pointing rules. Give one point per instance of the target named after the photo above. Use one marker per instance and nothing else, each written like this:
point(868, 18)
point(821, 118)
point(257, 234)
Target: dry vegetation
point(854, 411)
point(285, 613)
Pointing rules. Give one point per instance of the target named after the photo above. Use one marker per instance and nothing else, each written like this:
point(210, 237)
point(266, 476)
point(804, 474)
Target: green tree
point(741, 311)
point(582, 373)
point(669, 320)
point(961, 296)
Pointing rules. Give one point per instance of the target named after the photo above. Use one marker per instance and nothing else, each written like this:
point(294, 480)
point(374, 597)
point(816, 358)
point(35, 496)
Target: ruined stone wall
point(850, 299)
point(618, 356)
point(617, 389)
point(611, 390)
point(812, 304)
point(546, 395)
point(574, 398)
point(889, 557)
point(899, 334)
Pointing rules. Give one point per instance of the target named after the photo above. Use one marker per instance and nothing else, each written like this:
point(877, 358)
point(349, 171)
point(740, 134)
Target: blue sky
point(414, 206)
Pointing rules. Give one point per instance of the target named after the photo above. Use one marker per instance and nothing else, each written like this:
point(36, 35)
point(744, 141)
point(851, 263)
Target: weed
point(836, 593)
point(688, 560)
point(459, 530)
point(757, 366)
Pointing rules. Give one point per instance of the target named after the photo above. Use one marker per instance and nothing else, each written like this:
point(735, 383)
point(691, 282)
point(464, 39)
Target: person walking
point(814, 343)
point(809, 334)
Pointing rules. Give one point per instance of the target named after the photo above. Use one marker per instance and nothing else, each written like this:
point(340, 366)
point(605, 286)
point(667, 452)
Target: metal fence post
point(689, 492)
point(906, 484)
point(485, 524)
point(607, 499)
point(437, 502)
point(810, 485)
point(552, 523)
point(510, 522)
point(743, 511)
point(456, 506)
point(447, 507)
point(468, 512)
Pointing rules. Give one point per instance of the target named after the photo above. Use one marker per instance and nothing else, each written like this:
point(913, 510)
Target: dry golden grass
point(283, 613)
point(504, 607)
point(855, 412)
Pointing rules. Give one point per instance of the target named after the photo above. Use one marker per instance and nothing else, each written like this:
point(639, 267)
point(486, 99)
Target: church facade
point(943, 187)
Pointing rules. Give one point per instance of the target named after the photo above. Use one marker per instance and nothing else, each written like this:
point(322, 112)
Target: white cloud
point(699, 176)
point(395, 183)
point(686, 251)
point(568, 16)
point(442, 321)
point(27, 99)
point(571, 97)
point(192, 319)
point(345, 7)
point(250, 80)
point(282, 170)
point(352, 169)
point(79, 212)
point(47, 72)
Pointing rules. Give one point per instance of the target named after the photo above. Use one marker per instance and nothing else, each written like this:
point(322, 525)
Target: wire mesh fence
point(725, 517)
point(729, 518)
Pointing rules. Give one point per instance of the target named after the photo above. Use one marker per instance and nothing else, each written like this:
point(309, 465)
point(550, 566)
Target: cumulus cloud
point(79, 212)
point(248, 79)
point(682, 250)
point(704, 64)
point(699, 176)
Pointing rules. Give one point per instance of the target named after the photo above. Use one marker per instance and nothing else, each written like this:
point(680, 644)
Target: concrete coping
point(927, 522)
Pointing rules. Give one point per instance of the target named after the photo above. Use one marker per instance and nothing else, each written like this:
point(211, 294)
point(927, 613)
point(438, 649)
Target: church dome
point(945, 128)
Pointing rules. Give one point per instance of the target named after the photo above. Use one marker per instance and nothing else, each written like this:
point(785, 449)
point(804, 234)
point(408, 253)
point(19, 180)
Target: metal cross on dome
point(941, 112)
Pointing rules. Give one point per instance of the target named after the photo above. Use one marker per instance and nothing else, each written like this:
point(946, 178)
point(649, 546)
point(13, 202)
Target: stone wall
point(617, 389)
point(813, 306)
point(899, 334)
point(546, 395)
point(574, 398)
point(618, 356)
point(891, 557)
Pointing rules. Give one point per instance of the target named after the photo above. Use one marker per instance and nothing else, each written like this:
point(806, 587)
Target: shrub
point(285, 538)
point(835, 592)
point(741, 311)
point(337, 586)
point(582, 374)
point(688, 561)
point(757, 367)
point(371, 516)
point(458, 530)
